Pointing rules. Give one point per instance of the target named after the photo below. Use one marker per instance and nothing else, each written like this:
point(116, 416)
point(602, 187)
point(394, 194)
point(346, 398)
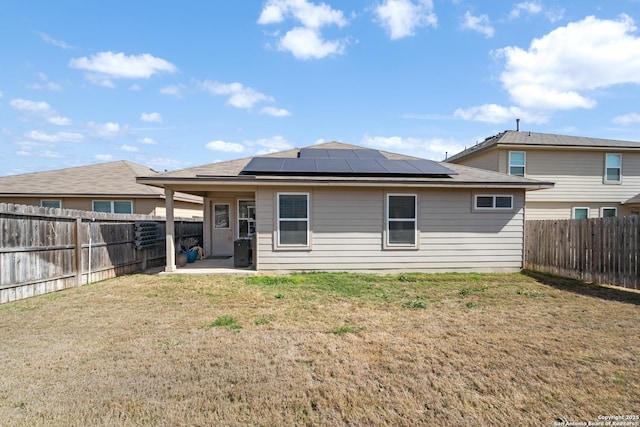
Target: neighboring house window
point(493, 202)
point(608, 212)
point(580, 213)
point(221, 216)
point(402, 219)
point(51, 204)
point(293, 219)
point(246, 218)
point(113, 206)
point(613, 168)
point(517, 163)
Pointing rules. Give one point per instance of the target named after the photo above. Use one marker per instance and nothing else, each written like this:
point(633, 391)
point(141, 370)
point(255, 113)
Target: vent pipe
point(517, 125)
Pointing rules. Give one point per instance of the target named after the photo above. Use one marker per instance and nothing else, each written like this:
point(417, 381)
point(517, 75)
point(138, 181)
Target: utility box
point(242, 253)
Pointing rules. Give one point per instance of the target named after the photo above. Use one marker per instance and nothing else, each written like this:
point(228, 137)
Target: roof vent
point(517, 125)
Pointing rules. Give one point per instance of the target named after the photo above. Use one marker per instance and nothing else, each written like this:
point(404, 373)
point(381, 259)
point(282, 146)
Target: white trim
point(228, 205)
point(573, 211)
point(387, 243)
point(307, 219)
point(615, 209)
point(238, 218)
point(606, 181)
point(493, 206)
point(524, 166)
point(112, 203)
point(59, 201)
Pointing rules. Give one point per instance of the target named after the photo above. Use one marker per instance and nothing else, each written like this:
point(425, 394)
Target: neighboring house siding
point(347, 232)
point(487, 160)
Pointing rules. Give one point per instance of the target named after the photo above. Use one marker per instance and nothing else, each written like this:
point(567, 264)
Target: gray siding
point(347, 233)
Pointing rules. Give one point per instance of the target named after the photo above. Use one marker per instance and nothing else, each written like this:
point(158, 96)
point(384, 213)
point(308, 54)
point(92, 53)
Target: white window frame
point(606, 168)
point(387, 243)
point(602, 209)
point(523, 166)
point(279, 220)
point(493, 206)
point(249, 219)
point(573, 211)
point(112, 202)
point(215, 225)
point(59, 202)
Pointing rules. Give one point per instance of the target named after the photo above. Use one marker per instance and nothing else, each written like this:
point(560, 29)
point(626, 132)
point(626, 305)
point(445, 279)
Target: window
point(608, 212)
point(51, 204)
point(517, 163)
point(493, 202)
point(401, 219)
point(293, 219)
point(113, 206)
point(580, 213)
point(613, 168)
point(246, 218)
point(221, 216)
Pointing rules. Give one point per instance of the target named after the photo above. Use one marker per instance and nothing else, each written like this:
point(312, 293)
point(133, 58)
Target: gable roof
point(230, 172)
point(535, 139)
point(113, 179)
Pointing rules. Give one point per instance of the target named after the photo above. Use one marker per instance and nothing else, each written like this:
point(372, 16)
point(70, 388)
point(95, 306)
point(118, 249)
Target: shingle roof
point(104, 179)
point(231, 169)
point(634, 200)
point(521, 138)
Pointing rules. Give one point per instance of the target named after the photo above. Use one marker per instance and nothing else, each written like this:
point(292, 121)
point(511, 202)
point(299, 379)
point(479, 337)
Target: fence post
point(78, 251)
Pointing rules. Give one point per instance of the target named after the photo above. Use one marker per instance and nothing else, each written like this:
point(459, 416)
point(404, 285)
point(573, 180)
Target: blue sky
point(179, 84)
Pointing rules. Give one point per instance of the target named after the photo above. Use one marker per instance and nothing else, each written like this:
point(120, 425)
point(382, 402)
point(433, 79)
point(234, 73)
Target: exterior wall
point(347, 232)
point(578, 176)
point(140, 206)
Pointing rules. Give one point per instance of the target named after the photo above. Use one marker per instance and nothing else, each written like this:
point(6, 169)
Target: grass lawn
point(321, 349)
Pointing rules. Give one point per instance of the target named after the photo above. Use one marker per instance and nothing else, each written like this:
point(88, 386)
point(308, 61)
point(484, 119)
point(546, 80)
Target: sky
point(172, 85)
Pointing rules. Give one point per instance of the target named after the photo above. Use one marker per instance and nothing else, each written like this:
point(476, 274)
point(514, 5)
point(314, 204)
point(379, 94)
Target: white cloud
point(106, 130)
point(561, 69)
point(308, 14)
point(104, 66)
point(480, 24)
point(493, 113)
point(528, 7)
point(431, 148)
point(227, 147)
point(44, 83)
point(175, 90)
point(240, 96)
point(50, 40)
point(271, 145)
point(166, 163)
point(55, 137)
point(129, 148)
point(401, 18)
point(147, 140)
point(151, 117)
point(104, 157)
point(40, 109)
point(627, 119)
point(276, 112)
point(135, 87)
point(307, 43)
point(50, 154)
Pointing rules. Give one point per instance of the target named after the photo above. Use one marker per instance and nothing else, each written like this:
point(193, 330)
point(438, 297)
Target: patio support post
point(170, 225)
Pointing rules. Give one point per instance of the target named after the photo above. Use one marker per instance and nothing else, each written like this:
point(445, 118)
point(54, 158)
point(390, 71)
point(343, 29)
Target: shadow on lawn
point(586, 289)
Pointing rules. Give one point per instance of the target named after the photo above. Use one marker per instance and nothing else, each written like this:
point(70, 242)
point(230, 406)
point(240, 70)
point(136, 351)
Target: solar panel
point(337, 153)
point(324, 164)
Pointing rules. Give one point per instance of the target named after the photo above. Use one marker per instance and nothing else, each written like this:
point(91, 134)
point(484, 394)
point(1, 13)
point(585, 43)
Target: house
point(106, 187)
point(593, 177)
point(346, 208)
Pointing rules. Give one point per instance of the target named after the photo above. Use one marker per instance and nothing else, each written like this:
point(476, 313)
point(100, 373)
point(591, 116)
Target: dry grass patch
point(321, 349)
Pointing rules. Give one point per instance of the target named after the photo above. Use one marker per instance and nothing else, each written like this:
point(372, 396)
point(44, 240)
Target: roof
point(635, 200)
point(113, 179)
point(534, 139)
point(230, 172)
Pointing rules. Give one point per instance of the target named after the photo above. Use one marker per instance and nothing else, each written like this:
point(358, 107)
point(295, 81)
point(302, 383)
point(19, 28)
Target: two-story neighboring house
point(593, 177)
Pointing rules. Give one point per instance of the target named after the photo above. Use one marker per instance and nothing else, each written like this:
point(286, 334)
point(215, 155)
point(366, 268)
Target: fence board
point(600, 250)
point(45, 250)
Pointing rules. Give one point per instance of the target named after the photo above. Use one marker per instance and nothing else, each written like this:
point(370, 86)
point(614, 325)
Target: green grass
point(225, 322)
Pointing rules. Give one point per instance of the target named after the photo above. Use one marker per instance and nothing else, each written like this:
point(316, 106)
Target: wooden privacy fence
point(45, 250)
point(600, 250)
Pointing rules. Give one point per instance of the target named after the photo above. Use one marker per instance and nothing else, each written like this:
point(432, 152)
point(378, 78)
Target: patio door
point(222, 230)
